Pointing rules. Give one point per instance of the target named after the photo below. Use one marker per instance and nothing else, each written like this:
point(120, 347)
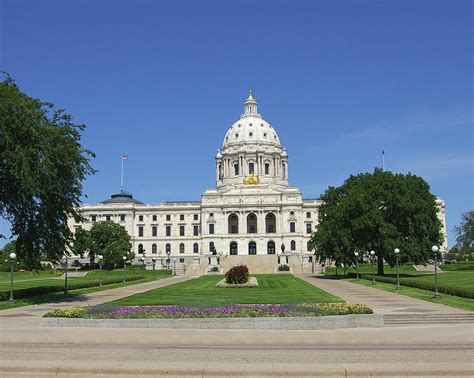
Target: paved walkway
point(381, 301)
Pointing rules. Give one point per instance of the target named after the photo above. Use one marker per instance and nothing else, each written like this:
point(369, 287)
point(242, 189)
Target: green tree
point(465, 232)
point(82, 243)
point(42, 166)
point(112, 241)
point(380, 211)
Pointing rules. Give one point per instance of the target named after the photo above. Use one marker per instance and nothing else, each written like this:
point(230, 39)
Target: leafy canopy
point(42, 166)
point(377, 211)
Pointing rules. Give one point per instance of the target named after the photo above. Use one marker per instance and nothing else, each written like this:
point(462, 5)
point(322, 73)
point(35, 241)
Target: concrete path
point(381, 301)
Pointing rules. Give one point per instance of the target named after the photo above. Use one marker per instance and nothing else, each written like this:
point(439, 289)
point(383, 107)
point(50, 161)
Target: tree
point(82, 244)
point(465, 232)
point(19, 262)
point(42, 166)
point(112, 241)
point(380, 211)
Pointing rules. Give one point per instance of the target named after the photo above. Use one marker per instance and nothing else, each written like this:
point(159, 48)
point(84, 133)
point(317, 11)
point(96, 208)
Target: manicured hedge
point(237, 275)
point(40, 290)
point(413, 282)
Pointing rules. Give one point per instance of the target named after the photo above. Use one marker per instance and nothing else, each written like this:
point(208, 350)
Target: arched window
point(140, 248)
point(154, 248)
point(271, 248)
point(196, 248)
point(283, 170)
point(234, 249)
point(233, 223)
point(252, 248)
point(251, 223)
point(251, 168)
point(267, 168)
point(293, 245)
point(270, 223)
point(181, 248)
point(212, 248)
point(168, 248)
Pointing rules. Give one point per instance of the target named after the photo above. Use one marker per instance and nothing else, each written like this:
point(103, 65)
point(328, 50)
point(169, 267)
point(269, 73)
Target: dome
point(122, 197)
point(251, 128)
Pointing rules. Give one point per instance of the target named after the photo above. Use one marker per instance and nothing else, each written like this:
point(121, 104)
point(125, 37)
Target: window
point(140, 231)
point(154, 231)
point(122, 217)
point(236, 169)
point(154, 248)
point(181, 248)
point(292, 226)
point(270, 221)
point(283, 170)
point(211, 228)
point(252, 248)
point(181, 230)
point(154, 218)
point(168, 230)
point(140, 218)
point(168, 217)
point(309, 228)
point(181, 217)
point(195, 230)
point(251, 223)
point(196, 216)
point(140, 248)
point(196, 248)
point(251, 168)
point(293, 245)
point(93, 218)
point(308, 215)
point(271, 248)
point(267, 168)
point(233, 224)
point(234, 249)
point(168, 248)
point(181, 260)
point(107, 217)
point(212, 248)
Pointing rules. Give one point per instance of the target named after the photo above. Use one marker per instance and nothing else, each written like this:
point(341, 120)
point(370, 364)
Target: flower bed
point(252, 282)
point(231, 311)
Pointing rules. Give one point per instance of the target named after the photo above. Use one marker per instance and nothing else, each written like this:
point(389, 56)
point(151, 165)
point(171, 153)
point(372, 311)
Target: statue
point(251, 180)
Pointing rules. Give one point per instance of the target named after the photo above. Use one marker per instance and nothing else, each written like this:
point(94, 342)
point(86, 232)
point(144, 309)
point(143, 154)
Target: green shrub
point(215, 269)
point(237, 275)
point(283, 268)
point(417, 284)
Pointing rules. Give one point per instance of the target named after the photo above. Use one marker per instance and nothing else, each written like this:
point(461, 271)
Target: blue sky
point(161, 81)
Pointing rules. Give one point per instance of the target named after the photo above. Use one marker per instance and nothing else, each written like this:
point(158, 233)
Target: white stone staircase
point(439, 318)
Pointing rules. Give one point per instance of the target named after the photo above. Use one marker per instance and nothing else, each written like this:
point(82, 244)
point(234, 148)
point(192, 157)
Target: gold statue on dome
point(251, 180)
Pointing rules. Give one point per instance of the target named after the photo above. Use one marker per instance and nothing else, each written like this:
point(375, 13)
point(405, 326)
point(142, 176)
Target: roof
point(122, 197)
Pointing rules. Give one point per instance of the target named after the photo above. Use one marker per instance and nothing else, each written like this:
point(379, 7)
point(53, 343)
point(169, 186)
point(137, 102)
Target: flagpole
point(121, 176)
point(383, 160)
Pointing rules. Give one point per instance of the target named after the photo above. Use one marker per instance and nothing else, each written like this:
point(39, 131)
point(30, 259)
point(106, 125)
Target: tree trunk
point(380, 271)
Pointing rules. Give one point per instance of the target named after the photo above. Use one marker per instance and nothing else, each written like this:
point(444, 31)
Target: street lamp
point(372, 257)
point(100, 269)
point(397, 252)
point(435, 250)
point(13, 258)
point(168, 253)
point(357, 265)
point(153, 260)
point(124, 267)
point(142, 259)
point(65, 274)
point(174, 266)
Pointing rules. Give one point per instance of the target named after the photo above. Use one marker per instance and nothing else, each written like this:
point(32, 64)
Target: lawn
point(272, 289)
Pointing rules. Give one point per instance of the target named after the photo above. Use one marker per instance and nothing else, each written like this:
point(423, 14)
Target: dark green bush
point(237, 275)
point(413, 282)
point(283, 268)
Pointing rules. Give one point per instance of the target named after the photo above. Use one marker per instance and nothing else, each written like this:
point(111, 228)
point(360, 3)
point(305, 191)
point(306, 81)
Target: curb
point(297, 323)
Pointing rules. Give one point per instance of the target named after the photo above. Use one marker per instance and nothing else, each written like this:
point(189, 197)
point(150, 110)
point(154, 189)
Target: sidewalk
point(381, 301)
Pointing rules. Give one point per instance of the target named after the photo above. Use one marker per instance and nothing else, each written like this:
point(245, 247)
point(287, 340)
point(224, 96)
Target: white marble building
point(252, 212)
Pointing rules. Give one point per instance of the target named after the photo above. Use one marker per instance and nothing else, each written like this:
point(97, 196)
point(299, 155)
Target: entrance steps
point(404, 319)
point(180, 270)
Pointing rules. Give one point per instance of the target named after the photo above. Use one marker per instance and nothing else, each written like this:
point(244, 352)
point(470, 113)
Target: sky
point(162, 81)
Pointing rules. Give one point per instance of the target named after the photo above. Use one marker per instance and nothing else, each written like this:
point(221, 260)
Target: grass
point(38, 299)
point(272, 289)
point(366, 269)
point(449, 300)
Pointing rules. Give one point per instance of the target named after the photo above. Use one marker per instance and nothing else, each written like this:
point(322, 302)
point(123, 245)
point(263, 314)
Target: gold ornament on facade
point(251, 180)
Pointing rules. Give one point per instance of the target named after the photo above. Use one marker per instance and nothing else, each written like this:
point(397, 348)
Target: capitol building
point(252, 216)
